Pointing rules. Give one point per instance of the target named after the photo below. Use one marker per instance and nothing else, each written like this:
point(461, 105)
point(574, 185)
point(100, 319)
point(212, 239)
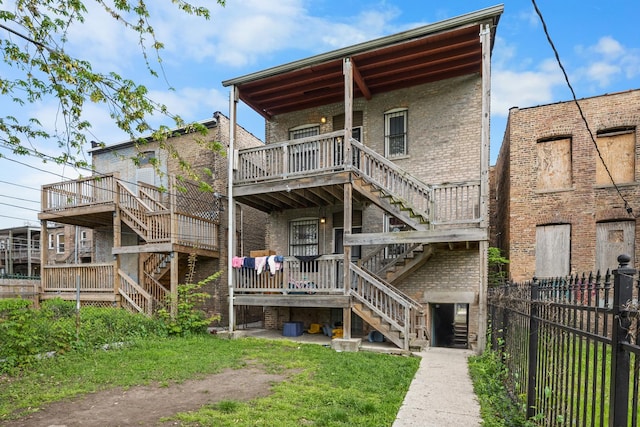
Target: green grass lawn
point(326, 388)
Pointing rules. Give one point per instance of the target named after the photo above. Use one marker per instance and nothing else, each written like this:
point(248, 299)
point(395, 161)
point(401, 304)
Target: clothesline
point(260, 264)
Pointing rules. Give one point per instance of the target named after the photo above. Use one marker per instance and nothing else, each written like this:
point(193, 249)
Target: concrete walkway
point(441, 393)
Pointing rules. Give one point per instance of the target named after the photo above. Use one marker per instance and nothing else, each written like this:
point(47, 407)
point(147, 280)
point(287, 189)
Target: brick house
point(558, 210)
point(375, 179)
point(147, 216)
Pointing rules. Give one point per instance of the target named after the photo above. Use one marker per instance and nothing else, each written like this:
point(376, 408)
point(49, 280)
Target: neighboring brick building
point(557, 211)
point(147, 214)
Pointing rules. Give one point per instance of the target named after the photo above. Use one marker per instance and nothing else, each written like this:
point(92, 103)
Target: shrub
point(189, 319)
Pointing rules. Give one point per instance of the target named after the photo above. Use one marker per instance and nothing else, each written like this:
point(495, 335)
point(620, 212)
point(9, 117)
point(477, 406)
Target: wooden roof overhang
point(426, 54)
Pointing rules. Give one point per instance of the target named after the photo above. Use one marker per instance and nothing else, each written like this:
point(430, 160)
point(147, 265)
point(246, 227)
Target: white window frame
point(60, 243)
point(51, 246)
point(388, 115)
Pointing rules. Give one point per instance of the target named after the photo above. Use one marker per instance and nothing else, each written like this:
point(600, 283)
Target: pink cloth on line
point(236, 262)
point(261, 262)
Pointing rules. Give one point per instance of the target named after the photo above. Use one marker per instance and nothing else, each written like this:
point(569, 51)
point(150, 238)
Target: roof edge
point(492, 12)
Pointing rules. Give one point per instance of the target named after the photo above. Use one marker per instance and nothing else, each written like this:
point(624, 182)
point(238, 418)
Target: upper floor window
point(303, 237)
point(395, 132)
point(147, 158)
point(554, 164)
point(618, 150)
point(304, 131)
point(60, 243)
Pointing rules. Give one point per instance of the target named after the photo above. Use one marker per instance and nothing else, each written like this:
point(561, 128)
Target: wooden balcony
point(310, 172)
point(299, 283)
point(182, 216)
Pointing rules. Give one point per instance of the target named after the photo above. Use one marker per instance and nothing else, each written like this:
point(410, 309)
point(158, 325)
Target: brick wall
point(522, 206)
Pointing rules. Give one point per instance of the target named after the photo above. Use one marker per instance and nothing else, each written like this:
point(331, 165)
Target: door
point(442, 325)
point(613, 239)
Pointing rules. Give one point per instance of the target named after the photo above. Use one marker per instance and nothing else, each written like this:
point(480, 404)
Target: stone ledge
point(343, 344)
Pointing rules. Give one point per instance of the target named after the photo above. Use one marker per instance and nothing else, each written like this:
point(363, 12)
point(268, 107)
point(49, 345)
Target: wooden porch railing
point(320, 276)
point(302, 156)
point(89, 277)
point(93, 190)
point(451, 204)
point(391, 179)
point(400, 311)
point(384, 257)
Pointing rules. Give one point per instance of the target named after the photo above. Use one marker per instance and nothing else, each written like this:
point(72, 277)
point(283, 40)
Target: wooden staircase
point(396, 316)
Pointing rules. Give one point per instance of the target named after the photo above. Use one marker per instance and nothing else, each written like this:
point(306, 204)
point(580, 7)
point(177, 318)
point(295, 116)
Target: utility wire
point(575, 100)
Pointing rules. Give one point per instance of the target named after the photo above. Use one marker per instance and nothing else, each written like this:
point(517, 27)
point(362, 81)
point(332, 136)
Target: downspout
point(231, 230)
point(485, 40)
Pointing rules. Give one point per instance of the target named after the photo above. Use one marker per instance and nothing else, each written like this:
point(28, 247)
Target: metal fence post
point(532, 374)
point(620, 358)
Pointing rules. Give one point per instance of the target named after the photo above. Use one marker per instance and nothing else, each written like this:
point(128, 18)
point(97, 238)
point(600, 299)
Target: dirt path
point(145, 405)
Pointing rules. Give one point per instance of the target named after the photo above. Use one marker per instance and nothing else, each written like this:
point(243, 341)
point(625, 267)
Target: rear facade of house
point(559, 210)
point(374, 177)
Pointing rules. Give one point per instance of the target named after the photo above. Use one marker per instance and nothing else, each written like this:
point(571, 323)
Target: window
point(303, 237)
point(304, 131)
point(50, 241)
point(60, 243)
point(146, 158)
point(553, 250)
point(554, 164)
point(395, 133)
point(617, 148)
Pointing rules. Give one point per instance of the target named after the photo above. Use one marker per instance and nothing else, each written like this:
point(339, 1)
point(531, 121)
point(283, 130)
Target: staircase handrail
point(130, 282)
point(419, 188)
point(386, 287)
point(377, 269)
point(372, 281)
point(144, 191)
point(157, 289)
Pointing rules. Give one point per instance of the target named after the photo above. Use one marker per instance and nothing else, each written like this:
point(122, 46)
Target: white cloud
point(523, 88)
point(608, 61)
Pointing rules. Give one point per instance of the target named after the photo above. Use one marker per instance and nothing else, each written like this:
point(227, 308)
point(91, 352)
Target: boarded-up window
point(613, 239)
point(553, 250)
point(619, 153)
point(554, 164)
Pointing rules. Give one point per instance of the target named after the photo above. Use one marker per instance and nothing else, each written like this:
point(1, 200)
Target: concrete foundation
point(343, 344)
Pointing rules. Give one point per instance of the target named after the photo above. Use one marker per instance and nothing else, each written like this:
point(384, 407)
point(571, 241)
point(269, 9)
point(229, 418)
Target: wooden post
point(348, 190)
point(485, 40)
point(174, 283)
point(231, 225)
point(117, 238)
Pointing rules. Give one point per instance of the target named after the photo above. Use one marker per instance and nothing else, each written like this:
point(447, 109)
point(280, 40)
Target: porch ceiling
point(434, 52)
point(294, 198)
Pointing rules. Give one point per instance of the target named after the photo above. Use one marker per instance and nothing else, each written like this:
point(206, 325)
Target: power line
point(582, 116)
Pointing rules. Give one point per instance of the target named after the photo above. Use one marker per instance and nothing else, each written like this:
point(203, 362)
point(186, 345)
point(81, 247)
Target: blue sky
point(597, 41)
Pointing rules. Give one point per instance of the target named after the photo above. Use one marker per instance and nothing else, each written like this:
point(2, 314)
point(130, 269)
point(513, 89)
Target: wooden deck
point(181, 217)
point(310, 172)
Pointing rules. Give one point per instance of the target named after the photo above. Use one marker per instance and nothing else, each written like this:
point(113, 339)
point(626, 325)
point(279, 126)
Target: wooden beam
point(151, 247)
point(417, 236)
point(359, 81)
point(290, 184)
point(337, 301)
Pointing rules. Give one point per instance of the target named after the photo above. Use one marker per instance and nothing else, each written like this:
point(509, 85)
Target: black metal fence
point(570, 346)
